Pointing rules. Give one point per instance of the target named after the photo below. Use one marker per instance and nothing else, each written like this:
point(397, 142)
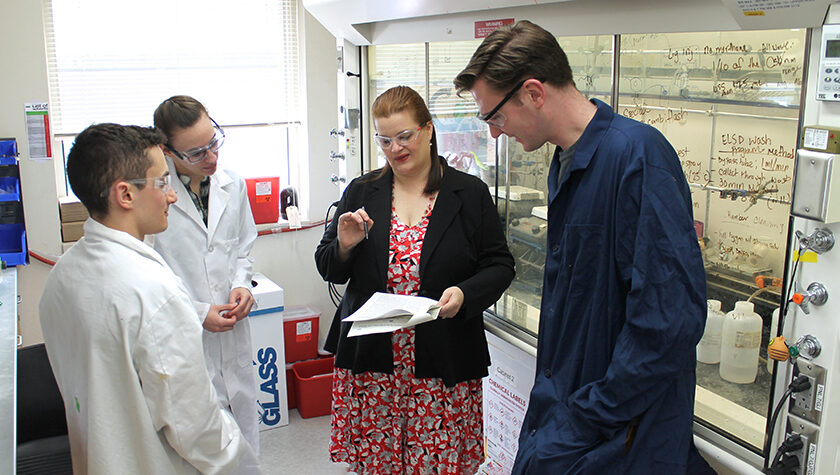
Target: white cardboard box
point(268, 354)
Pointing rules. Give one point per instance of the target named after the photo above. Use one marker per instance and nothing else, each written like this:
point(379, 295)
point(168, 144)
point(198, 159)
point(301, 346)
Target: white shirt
point(125, 346)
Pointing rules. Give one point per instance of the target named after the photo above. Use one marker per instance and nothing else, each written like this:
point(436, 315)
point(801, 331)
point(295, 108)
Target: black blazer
point(464, 246)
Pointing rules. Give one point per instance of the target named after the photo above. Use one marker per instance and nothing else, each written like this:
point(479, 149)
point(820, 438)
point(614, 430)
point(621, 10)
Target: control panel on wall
point(829, 67)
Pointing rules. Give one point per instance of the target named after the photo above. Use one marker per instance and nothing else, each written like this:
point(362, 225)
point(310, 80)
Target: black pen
point(365, 224)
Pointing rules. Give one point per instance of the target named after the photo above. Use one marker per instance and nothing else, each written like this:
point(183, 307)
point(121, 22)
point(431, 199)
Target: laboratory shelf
point(9, 188)
point(8, 151)
point(13, 244)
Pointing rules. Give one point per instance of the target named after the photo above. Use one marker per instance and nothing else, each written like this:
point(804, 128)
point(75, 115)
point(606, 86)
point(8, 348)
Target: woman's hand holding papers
point(450, 302)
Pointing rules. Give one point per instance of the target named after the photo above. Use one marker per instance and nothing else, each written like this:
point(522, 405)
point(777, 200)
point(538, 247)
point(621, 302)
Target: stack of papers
point(390, 312)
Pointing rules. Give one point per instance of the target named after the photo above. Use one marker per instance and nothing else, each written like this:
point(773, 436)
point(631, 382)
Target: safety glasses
point(495, 117)
point(403, 139)
point(162, 183)
point(195, 155)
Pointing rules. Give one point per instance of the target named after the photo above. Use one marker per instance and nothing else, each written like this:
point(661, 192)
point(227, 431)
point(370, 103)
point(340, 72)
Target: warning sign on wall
point(484, 28)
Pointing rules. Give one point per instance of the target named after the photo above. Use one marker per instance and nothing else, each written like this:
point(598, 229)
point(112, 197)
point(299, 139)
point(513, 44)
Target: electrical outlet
point(804, 400)
point(809, 433)
point(808, 404)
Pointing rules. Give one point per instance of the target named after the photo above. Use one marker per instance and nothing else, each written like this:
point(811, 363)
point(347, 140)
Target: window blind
point(116, 61)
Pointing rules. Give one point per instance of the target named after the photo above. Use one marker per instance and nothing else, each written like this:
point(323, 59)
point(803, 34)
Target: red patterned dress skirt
point(388, 424)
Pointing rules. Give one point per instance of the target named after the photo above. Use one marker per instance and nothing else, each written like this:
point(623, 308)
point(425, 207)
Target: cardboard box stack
point(73, 217)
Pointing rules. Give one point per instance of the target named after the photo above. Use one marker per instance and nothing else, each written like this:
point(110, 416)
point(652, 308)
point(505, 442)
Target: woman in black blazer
point(407, 401)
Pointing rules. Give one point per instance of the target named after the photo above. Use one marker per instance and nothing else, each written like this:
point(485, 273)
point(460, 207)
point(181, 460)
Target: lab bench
point(8, 368)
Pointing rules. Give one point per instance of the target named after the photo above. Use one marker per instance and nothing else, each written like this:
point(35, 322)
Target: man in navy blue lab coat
point(624, 293)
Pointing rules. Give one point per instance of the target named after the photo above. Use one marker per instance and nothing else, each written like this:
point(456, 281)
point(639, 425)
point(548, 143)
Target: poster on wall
point(506, 391)
point(38, 130)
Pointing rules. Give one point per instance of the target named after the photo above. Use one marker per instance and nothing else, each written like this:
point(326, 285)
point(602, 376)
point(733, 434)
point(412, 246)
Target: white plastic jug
point(740, 343)
point(708, 350)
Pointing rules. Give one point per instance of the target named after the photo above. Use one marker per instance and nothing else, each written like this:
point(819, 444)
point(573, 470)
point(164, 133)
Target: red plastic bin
point(264, 196)
point(313, 386)
point(300, 333)
point(291, 398)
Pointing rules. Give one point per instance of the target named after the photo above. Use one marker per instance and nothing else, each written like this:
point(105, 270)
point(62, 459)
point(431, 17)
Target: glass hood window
point(729, 104)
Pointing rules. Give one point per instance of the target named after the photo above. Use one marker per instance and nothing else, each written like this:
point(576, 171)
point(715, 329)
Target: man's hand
point(241, 301)
point(218, 318)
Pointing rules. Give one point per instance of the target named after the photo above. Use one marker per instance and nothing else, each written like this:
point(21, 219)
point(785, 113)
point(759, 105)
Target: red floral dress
point(394, 423)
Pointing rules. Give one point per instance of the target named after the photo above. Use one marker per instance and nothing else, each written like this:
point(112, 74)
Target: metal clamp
point(807, 347)
point(816, 294)
point(819, 241)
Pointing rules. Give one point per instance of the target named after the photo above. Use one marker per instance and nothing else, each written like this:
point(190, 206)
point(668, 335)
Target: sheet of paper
point(38, 130)
point(367, 327)
point(388, 305)
point(383, 325)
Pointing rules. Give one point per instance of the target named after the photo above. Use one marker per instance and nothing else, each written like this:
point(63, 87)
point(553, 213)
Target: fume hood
point(731, 85)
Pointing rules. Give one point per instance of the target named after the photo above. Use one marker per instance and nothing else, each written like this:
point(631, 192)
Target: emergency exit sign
point(484, 28)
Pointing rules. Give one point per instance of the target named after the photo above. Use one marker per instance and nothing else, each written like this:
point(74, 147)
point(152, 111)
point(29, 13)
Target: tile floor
point(299, 448)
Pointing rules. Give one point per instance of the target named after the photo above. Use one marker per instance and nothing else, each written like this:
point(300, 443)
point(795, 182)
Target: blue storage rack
point(12, 234)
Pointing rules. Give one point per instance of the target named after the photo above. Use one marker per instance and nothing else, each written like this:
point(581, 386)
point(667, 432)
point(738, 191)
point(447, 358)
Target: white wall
point(321, 89)
point(288, 258)
point(285, 258)
point(24, 79)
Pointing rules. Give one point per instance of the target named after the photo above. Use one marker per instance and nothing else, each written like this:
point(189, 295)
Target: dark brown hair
point(405, 99)
point(178, 112)
point(105, 153)
point(513, 53)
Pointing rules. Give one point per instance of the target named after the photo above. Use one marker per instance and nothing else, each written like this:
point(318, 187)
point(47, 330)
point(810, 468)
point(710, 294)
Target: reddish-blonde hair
point(405, 99)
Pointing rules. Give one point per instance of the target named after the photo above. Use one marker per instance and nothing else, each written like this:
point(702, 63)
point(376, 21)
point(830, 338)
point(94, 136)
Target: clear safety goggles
point(403, 139)
point(162, 183)
point(197, 154)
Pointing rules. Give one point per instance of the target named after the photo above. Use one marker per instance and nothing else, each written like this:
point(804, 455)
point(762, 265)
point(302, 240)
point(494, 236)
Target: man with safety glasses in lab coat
point(211, 232)
point(120, 329)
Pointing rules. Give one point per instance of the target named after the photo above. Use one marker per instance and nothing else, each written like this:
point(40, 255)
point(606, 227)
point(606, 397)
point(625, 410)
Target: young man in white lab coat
point(120, 329)
point(211, 232)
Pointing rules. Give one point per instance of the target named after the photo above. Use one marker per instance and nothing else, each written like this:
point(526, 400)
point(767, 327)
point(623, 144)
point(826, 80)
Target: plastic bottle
point(708, 350)
point(740, 343)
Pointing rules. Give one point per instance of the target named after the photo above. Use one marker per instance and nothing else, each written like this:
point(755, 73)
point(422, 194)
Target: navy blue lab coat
point(624, 304)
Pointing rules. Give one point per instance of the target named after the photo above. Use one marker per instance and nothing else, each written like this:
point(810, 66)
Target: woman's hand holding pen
point(352, 229)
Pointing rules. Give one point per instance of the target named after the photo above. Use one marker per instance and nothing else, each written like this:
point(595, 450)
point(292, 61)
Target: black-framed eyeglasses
point(197, 154)
point(500, 118)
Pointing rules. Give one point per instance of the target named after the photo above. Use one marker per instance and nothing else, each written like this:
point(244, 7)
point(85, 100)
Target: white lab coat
point(212, 260)
point(125, 346)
